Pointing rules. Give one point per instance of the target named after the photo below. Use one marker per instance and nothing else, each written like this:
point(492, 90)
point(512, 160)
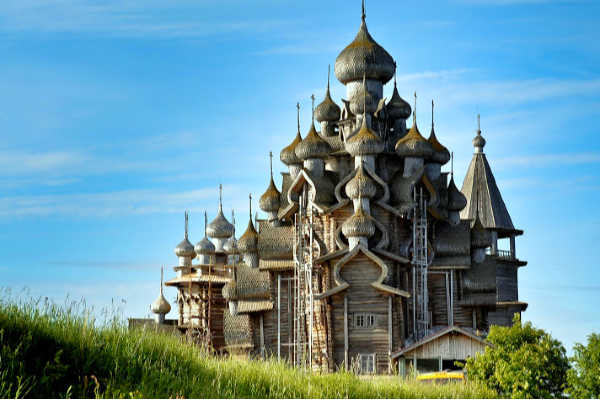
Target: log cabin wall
point(286, 323)
point(360, 272)
point(506, 281)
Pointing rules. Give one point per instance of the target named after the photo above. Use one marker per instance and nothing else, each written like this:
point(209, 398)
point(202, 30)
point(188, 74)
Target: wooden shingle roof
point(483, 196)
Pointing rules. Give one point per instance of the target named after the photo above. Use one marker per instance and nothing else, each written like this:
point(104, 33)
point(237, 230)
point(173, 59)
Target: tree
point(584, 378)
point(523, 362)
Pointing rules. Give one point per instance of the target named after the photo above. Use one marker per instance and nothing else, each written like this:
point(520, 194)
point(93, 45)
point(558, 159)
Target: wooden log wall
point(360, 272)
point(287, 321)
point(506, 282)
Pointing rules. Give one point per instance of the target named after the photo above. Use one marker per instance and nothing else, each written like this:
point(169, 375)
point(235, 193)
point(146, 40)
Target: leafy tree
point(524, 362)
point(584, 377)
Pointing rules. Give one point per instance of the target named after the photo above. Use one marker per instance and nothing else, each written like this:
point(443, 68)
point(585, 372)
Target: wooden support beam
point(390, 334)
point(278, 316)
point(451, 315)
point(346, 332)
point(262, 337)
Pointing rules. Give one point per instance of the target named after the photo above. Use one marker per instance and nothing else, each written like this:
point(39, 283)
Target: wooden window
point(367, 363)
point(364, 320)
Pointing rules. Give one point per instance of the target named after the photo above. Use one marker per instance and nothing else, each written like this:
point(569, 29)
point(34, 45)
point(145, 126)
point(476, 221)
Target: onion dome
point(397, 107)
point(231, 245)
point(363, 98)
point(220, 228)
point(413, 144)
point(288, 154)
point(327, 110)
point(361, 185)
point(269, 201)
point(205, 246)
point(478, 141)
point(185, 248)
point(365, 142)
point(312, 146)
point(456, 200)
point(480, 237)
point(160, 305)
point(364, 56)
point(248, 243)
point(440, 155)
point(359, 224)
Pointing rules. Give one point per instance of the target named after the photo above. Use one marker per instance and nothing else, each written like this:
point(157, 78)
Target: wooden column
point(346, 332)
point(451, 315)
point(390, 334)
point(262, 337)
point(513, 249)
point(279, 316)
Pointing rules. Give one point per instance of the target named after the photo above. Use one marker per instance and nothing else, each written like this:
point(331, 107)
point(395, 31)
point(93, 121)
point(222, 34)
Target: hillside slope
point(56, 351)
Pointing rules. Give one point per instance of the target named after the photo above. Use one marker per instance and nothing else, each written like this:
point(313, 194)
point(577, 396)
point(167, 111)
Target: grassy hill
point(61, 351)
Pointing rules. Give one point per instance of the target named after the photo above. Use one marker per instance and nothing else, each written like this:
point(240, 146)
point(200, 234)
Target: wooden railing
point(504, 254)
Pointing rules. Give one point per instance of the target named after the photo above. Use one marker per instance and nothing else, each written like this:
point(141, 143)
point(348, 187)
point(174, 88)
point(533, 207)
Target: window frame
point(367, 360)
point(364, 320)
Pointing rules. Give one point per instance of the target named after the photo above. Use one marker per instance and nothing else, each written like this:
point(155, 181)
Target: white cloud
point(126, 202)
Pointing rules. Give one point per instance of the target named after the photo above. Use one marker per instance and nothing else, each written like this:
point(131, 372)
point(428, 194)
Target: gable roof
point(439, 334)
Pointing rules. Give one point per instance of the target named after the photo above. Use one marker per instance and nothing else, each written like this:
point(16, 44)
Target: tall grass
point(60, 351)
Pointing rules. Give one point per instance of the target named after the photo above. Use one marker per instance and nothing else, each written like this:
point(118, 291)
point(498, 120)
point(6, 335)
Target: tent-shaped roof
point(483, 195)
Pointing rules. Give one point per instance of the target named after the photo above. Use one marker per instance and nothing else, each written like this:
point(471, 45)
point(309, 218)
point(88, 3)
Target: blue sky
point(116, 116)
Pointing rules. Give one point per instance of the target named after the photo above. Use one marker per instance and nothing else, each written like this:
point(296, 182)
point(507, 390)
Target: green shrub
point(584, 377)
point(59, 352)
point(524, 362)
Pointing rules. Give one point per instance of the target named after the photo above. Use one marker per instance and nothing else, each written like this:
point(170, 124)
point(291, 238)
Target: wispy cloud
point(126, 202)
point(544, 160)
point(16, 162)
point(123, 18)
point(119, 265)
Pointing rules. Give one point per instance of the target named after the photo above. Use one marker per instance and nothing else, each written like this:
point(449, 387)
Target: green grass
point(61, 351)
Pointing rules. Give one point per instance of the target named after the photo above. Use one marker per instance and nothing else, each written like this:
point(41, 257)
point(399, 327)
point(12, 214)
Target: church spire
point(415, 111)
point(186, 224)
point(363, 16)
point(220, 197)
point(478, 141)
point(298, 115)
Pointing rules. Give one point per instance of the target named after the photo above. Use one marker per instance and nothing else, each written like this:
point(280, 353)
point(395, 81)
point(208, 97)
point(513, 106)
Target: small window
point(367, 363)
point(364, 320)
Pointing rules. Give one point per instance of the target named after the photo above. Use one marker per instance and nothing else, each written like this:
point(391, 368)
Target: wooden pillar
point(451, 315)
point(513, 250)
point(474, 318)
point(415, 371)
point(262, 337)
point(346, 332)
point(279, 316)
point(440, 363)
point(390, 334)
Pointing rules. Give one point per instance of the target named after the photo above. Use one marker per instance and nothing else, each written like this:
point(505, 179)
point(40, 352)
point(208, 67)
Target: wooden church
point(370, 258)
